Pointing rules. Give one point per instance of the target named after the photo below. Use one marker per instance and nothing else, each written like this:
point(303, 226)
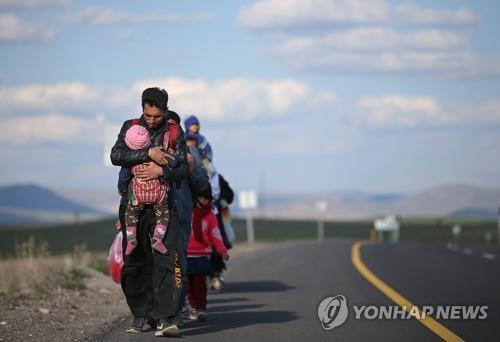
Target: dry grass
point(33, 265)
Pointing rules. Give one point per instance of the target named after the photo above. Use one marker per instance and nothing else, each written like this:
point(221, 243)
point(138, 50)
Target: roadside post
point(456, 230)
point(247, 201)
point(321, 208)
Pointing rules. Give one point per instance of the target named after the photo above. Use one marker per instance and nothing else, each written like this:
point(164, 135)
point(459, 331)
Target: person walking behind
point(185, 201)
point(205, 235)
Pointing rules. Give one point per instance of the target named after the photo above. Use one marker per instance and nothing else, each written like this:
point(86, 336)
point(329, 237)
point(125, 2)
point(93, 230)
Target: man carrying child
point(151, 277)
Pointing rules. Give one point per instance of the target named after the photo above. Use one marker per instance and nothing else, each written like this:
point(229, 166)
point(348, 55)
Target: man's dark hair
point(155, 97)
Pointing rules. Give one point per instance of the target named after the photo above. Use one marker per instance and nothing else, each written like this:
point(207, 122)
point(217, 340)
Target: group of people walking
point(173, 215)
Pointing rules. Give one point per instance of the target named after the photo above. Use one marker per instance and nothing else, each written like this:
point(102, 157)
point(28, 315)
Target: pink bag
point(115, 258)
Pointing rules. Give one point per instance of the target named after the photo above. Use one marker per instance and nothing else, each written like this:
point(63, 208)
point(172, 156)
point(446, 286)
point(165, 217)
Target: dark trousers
point(151, 281)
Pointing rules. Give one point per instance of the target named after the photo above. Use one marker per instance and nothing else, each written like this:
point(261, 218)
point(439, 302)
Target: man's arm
point(121, 155)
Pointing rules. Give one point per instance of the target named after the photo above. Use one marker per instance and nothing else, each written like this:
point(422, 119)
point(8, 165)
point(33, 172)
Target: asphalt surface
point(273, 294)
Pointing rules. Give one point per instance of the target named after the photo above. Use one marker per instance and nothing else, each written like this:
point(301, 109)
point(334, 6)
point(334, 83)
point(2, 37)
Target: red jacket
point(205, 234)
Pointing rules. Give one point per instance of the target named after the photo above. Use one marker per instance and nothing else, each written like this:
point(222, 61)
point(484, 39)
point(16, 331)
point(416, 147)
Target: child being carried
point(140, 193)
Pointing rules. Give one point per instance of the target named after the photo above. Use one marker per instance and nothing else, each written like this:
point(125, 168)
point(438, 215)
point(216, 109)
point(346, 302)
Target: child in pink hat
point(153, 192)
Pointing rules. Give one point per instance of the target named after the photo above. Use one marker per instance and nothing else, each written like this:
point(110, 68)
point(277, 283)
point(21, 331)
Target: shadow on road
point(227, 300)
point(255, 286)
point(226, 308)
point(229, 315)
point(232, 320)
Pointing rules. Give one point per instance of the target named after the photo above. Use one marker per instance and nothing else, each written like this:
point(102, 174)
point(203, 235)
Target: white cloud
point(13, 29)
point(239, 98)
point(374, 39)
point(372, 45)
point(376, 49)
point(285, 14)
point(399, 110)
point(51, 128)
point(103, 16)
point(48, 97)
point(411, 13)
point(236, 100)
point(459, 64)
point(32, 3)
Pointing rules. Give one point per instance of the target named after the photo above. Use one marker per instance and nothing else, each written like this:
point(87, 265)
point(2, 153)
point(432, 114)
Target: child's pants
point(197, 291)
point(198, 270)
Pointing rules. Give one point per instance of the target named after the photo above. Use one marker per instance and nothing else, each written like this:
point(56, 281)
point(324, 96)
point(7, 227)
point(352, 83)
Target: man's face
point(152, 115)
point(194, 129)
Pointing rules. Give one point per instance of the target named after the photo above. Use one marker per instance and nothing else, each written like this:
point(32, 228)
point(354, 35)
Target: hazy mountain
point(452, 199)
point(33, 203)
point(464, 200)
point(475, 212)
point(446, 199)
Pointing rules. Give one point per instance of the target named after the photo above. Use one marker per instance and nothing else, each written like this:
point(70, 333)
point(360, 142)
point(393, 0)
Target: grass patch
point(75, 279)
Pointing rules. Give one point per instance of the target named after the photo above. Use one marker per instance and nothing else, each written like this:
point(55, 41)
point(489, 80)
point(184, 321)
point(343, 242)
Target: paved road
point(273, 294)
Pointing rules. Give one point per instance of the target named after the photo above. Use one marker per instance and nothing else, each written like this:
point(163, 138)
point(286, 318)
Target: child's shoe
point(198, 315)
point(193, 315)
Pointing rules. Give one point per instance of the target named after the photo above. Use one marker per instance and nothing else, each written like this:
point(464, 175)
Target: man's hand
point(157, 155)
point(149, 171)
point(225, 256)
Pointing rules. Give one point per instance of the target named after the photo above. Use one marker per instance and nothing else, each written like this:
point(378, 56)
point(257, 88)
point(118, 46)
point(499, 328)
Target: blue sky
point(316, 96)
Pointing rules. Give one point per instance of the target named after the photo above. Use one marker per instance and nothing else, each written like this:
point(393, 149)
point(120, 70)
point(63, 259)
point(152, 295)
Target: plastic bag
point(115, 259)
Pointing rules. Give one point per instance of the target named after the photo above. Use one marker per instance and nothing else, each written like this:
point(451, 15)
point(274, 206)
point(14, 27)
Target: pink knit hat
point(137, 137)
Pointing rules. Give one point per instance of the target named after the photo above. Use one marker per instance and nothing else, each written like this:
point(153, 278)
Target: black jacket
point(121, 155)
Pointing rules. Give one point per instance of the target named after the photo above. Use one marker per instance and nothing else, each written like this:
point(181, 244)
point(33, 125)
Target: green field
point(97, 236)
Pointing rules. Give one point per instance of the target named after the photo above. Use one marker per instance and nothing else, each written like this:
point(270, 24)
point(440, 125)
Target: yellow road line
point(426, 320)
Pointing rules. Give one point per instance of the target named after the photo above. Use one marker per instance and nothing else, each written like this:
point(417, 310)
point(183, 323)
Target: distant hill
point(464, 200)
point(457, 200)
point(33, 203)
point(447, 199)
point(475, 213)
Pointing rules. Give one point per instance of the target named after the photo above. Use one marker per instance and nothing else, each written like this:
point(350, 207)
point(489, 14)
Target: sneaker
point(198, 315)
point(167, 328)
point(202, 316)
point(215, 283)
point(136, 325)
point(193, 315)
